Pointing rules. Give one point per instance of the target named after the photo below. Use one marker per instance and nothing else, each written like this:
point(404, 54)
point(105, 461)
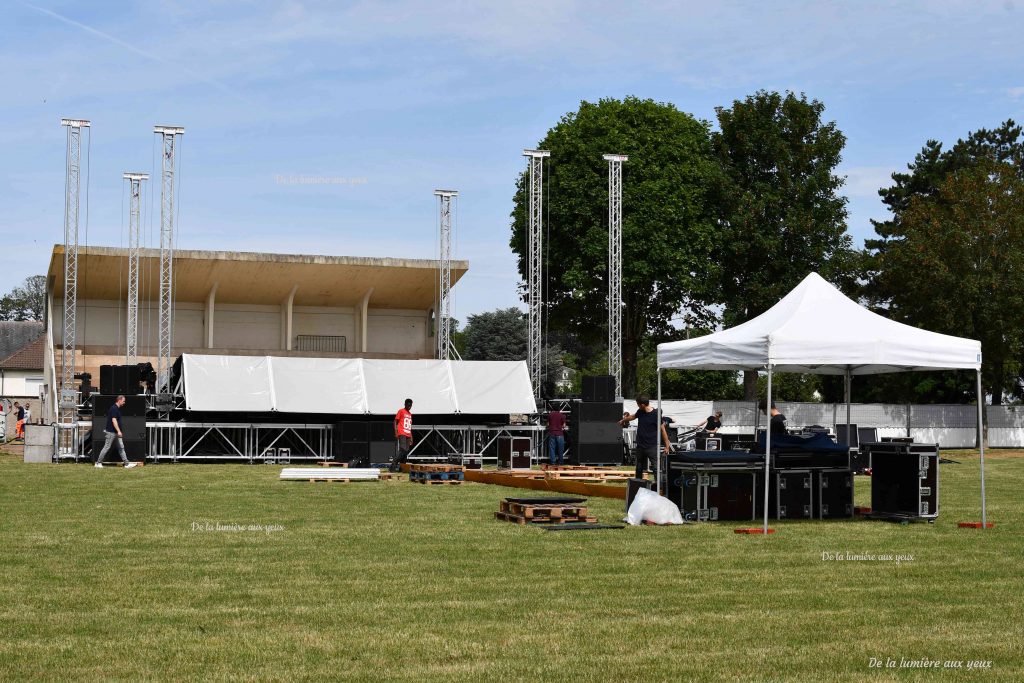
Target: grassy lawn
point(111, 575)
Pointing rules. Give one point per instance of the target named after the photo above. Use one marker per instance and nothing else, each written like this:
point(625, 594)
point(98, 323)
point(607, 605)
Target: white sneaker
point(100, 465)
point(131, 464)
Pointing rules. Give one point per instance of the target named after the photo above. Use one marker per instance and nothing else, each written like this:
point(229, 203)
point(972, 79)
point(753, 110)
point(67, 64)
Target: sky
point(385, 101)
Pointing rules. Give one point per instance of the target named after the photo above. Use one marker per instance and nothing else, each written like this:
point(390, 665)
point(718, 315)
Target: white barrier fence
point(950, 426)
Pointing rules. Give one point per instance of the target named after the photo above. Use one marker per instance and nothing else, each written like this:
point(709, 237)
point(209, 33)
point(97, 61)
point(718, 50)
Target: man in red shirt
point(403, 434)
point(556, 437)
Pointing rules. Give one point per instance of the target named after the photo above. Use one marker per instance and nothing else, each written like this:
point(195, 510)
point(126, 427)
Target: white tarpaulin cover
point(816, 329)
point(354, 386)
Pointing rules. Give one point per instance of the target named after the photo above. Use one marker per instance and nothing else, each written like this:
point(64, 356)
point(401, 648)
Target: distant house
point(22, 345)
point(564, 377)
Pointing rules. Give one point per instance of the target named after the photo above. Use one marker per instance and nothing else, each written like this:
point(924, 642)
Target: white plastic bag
point(648, 506)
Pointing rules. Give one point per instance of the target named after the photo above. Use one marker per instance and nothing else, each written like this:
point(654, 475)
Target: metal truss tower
point(68, 403)
point(535, 267)
point(615, 267)
point(444, 300)
point(169, 135)
point(134, 203)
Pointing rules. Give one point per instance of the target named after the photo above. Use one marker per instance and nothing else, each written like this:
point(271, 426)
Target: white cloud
point(1016, 93)
point(865, 181)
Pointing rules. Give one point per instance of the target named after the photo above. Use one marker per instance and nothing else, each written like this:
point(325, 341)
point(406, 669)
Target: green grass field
point(112, 575)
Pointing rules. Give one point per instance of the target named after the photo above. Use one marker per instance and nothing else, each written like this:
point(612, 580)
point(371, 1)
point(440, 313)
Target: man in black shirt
point(646, 433)
point(777, 424)
point(711, 426)
point(112, 433)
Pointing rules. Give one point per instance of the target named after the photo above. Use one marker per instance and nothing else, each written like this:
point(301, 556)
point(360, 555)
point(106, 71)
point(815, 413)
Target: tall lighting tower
point(134, 203)
point(444, 309)
point(615, 267)
point(535, 266)
point(169, 135)
point(68, 403)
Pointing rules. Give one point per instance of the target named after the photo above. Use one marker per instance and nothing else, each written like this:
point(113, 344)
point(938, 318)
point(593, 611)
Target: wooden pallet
point(520, 519)
point(589, 474)
point(331, 463)
point(554, 513)
point(436, 468)
point(436, 476)
point(452, 482)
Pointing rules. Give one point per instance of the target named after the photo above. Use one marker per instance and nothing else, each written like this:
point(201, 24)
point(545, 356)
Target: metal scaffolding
point(615, 267)
point(68, 404)
point(134, 203)
point(444, 304)
point(535, 267)
point(168, 135)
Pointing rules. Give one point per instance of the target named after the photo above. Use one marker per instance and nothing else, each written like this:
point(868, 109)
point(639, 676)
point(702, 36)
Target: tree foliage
point(27, 302)
point(495, 335)
point(951, 259)
point(781, 212)
point(668, 203)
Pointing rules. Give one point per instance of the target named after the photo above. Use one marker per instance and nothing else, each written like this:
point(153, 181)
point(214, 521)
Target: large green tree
point(669, 186)
point(952, 260)
point(27, 302)
point(781, 212)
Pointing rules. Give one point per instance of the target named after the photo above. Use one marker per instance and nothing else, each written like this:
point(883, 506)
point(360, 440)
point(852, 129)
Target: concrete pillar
point(286, 319)
point(364, 307)
point(211, 300)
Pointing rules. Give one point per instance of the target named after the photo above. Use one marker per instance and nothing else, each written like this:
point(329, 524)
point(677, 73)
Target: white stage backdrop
point(354, 386)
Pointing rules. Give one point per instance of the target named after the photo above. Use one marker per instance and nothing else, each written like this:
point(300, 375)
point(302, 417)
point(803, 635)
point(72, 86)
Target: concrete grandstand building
point(237, 303)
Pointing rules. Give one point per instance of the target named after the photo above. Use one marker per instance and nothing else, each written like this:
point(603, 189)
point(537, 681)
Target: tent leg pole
point(981, 447)
point(767, 447)
point(848, 391)
point(657, 450)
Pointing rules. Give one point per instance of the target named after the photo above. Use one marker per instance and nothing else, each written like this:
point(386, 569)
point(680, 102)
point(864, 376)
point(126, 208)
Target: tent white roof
point(816, 329)
point(354, 386)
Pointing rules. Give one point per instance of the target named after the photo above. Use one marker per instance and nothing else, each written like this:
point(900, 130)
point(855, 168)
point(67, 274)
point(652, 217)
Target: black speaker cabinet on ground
point(514, 452)
point(609, 413)
point(833, 494)
point(355, 454)
point(794, 494)
point(596, 454)
point(718, 493)
point(598, 389)
point(846, 435)
point(381, 452)
point(905, 480)
point(133, 427)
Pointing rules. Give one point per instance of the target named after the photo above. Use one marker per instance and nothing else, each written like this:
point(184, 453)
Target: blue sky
point(395, 99)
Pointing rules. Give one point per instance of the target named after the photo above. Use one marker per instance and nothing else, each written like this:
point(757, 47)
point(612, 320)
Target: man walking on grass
point(113, 431)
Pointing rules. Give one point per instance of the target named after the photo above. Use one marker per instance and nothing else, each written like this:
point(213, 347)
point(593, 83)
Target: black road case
point(904, 480)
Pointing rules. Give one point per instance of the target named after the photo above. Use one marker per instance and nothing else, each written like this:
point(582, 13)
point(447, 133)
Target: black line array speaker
point(133, 427)
point(598, 388)
point(120, 379)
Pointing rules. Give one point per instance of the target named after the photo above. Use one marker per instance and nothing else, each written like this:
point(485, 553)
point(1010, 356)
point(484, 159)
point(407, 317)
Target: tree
point(495, 335)
point(781, 214)
point(669, 184)
point(952, 260)
point(27, 302)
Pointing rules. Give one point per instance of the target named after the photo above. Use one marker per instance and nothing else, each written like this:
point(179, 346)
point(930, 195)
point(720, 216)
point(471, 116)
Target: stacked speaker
point(364, 443)
point(132, 423)
point(593, 422)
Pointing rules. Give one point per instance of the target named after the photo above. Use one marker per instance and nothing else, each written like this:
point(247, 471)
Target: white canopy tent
point(815, 329)
point(354, 386)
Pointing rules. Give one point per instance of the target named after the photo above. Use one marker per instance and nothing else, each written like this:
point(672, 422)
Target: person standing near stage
point(28, 416)
point(712, 424)
point(556, 437)
point(19, 427)
point(646, 433)
point(113, 433)
point(403, 435)
point(777, 424)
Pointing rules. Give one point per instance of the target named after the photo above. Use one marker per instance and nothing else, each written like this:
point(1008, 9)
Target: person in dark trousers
point(556, 437)
point(646, 433)
point(403, 435)
point(113, 432)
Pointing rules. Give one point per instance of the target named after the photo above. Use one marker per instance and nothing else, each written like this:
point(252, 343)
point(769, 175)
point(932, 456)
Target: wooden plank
point(579, 488)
